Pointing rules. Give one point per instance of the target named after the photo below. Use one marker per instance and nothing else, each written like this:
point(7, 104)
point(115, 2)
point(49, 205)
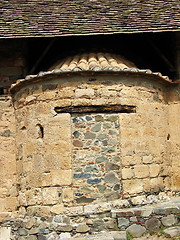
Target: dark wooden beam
point(96, 109)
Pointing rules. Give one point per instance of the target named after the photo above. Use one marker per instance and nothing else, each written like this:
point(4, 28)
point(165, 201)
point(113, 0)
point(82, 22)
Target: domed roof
point(92, 62)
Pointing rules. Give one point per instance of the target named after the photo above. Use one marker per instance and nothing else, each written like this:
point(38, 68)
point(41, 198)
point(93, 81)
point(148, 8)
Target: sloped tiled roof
point(24, 18)
point(91, 63)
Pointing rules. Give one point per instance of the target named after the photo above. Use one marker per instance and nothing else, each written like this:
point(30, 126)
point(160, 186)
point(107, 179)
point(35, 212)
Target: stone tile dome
point(93, 62)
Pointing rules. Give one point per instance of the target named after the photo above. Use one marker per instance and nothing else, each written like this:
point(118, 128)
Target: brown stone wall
point(8, 191)
point(46, 152)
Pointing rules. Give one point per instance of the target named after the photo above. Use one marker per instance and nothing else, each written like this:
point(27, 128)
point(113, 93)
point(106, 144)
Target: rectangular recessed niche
point(96, 109)
point(96, 156)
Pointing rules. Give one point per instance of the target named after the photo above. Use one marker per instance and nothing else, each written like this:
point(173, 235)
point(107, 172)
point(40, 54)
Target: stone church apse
point(91, 130)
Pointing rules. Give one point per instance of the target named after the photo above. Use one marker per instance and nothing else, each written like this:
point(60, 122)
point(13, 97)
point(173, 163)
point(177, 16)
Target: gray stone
point(136, 230)
point(133, 219)
point(153, 224)
point(173, 231)
point(42, 237)
point(78, 120)
point(116, 158)
point(105, 142)
point(102, 136)
point(20, 238)
point(98, 225)
point(89, 135)
point(82, 228)
point(76, 134)
point(116, 125)
point(101, 188)
point(113, 141)
point(88, 118)
point(84, 199)
point(111, 178)
point(110, 223)
point(107, 150)
point(58, 219)
point(66, 220)
point(6, 133)
point(30, 223)
point(99, 118)
point(159, 211)
point(110, 196)
point(22, 232)
point(64, 228)
point(106, 125)
point(96, 128)
point(96, 143)
point(86, 190)
point(112, 118)
point(169, 220)
point(111, 166)
point(94, 180)
point(33, 231)
point(32, 237)
point(91, 168)
point(117, 187)
point(121, 235)
point(43, 231)
point(123, 223)
point(113, 132)
point(152, 199)
point(82, 175)
point(101, 159)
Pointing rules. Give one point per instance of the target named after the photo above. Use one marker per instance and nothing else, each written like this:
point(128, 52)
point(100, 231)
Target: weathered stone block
point(153, 224)
point(141, 171)
point(169, 220)
point(147, 159)
point(132, 186)
point(61, 177)
point(123, 223)
point(84, 93)
point(173, 231)
point(127, 173)
point(57, 209)
point(67, 195)
point(82, 228)
point(11, 203)
point(50, 195)
point(154, 170)
point(136, 230)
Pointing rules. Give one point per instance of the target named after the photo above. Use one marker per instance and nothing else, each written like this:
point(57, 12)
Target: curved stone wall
point(74, 159)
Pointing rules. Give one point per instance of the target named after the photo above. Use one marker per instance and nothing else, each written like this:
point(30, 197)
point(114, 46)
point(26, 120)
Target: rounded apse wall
point(89, 138)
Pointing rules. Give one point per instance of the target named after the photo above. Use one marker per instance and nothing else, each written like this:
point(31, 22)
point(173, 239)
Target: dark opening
point(155, 51)
point(2, 91)
point(40, 131)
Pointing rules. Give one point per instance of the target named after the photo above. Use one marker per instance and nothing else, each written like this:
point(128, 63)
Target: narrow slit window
point(40, 131)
